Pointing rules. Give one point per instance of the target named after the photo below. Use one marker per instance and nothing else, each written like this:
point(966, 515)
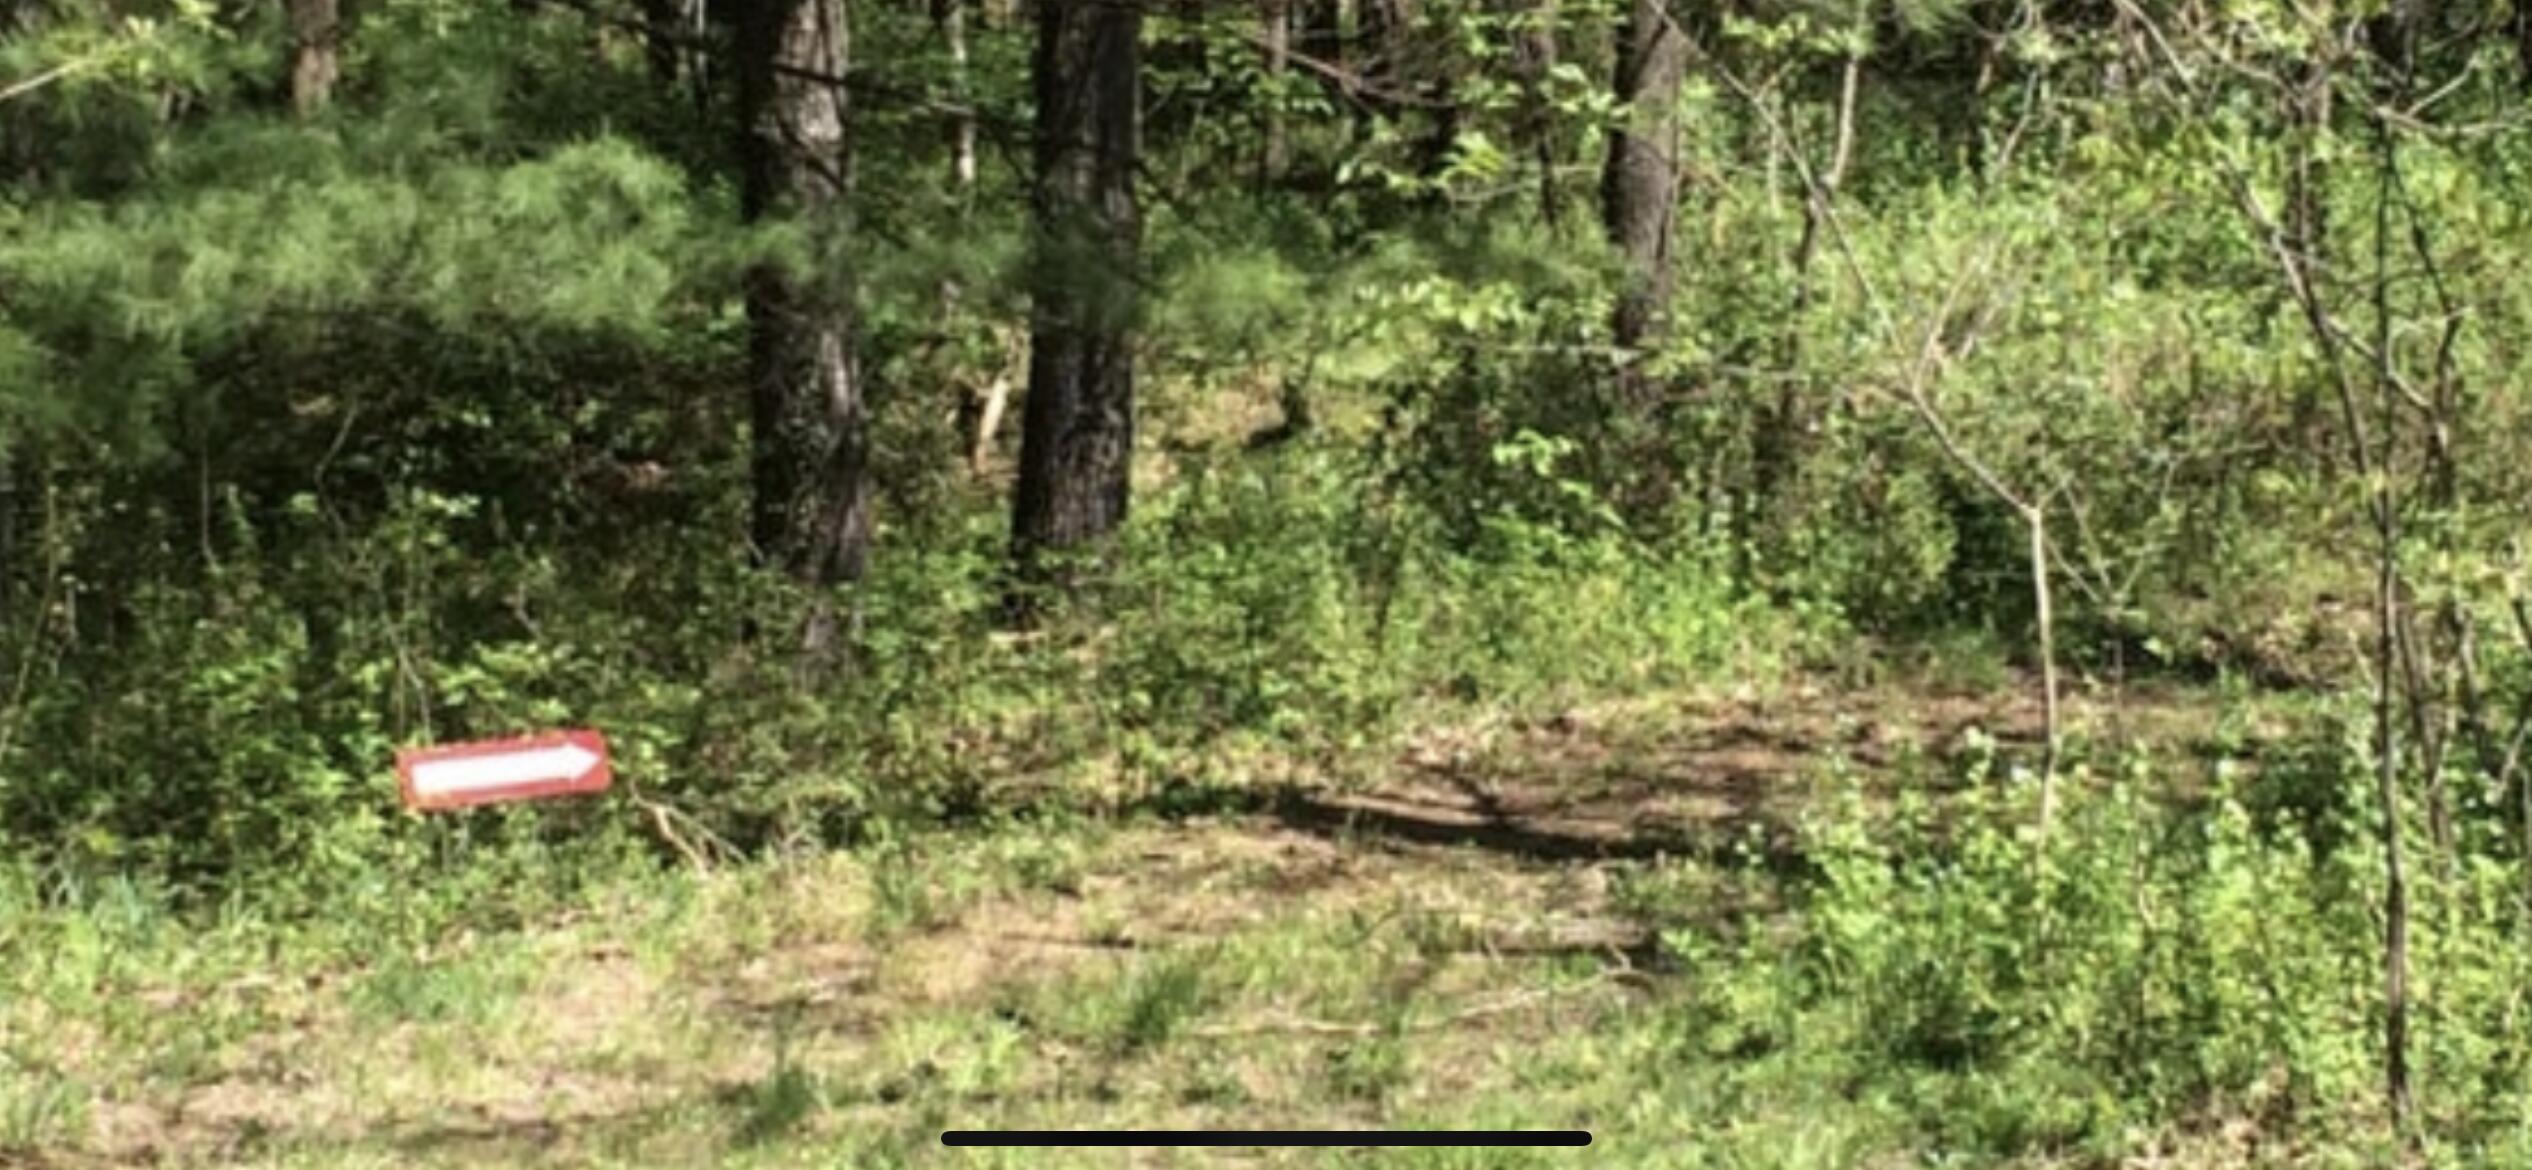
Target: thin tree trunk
point(315, 63)
point(2387, 790)
point(979, 408)
point(951, 17)
point(2306, 207)
point(1639, 189)
point(810, 464)
point(1077, 426)
point(2523, 43)
point(2036, 521)
point(1780, 445)
point(1533, 56)
point(2389, 626)
point(1276, 152)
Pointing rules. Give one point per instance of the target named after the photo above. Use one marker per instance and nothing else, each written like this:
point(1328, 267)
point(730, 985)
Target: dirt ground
point(1480, 887)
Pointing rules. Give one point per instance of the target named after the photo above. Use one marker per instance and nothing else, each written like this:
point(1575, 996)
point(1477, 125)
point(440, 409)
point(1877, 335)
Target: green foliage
point(2145, 965)
point(425, 417)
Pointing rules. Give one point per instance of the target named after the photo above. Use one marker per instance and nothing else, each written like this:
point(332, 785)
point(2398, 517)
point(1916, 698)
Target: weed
point(785, 1098)
point(1369, 1068)
point(1161, 999)
point(39, 1107)
point(778, 1105)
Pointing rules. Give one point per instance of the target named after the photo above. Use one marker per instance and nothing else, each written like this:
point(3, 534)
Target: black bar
point(1265, 1137)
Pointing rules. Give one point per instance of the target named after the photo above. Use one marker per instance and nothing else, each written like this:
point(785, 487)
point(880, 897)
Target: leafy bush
point(2148, 968)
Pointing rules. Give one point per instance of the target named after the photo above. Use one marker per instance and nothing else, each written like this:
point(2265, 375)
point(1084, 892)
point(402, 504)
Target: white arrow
point(567, 761)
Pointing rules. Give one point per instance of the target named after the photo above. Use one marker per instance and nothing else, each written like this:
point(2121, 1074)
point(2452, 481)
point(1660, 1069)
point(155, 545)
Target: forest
point(1792, 583)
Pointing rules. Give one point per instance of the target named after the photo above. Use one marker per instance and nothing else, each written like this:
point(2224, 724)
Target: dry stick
point(2035, 522)
point(29, 85)
point(1509, 1003)
point(661, 820)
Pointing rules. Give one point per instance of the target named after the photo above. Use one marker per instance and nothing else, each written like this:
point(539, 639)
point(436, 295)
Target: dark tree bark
point(2523, 42)
point(1384, 51)
point(2393, 34)
point(1077, 427)
point(1640, 188)
point(315, 64)
point(1384, 24)
point(810, 462)
point(660, 34)
point(1323, 30)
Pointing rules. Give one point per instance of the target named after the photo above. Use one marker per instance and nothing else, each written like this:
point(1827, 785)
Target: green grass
point(842, 1009)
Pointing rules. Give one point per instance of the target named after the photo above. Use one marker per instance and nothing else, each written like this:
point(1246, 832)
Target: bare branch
point(59, 72)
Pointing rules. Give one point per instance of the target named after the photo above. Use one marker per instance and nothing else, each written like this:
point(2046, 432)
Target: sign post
point(459, 775)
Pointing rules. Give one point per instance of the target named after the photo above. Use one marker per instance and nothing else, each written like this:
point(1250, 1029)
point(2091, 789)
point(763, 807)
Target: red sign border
point(595, 779)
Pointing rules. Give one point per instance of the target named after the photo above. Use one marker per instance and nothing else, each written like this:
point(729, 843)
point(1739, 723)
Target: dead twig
point(1510, 1003)
point(663, 819)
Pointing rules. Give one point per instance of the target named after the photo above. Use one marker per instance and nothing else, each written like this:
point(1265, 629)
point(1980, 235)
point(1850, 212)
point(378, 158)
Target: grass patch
point(1918, 992)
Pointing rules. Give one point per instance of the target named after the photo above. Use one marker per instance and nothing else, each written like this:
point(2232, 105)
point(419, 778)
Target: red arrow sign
point(460, 774)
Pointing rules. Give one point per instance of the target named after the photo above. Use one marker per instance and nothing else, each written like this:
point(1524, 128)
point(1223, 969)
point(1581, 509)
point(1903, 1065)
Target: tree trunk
point(810, 444)
point(2523, 42)
point(315, 27)
point(1385, 24)
point(660, 35)
point(1323, 30)
point(1275, 152)
point(1533, 57)
point(1781, 443)
point(1077, 426)
point(1640, 190)
point(979, 408)
point(2393, 35)
point(949, 17)
point(1384, 54)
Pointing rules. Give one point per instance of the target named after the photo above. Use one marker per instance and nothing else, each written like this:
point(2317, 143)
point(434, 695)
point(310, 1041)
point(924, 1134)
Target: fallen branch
point(1509, 1003)
point(45, 78)
point(663, 821)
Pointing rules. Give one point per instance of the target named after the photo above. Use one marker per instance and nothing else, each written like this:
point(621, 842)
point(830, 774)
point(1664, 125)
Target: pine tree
point(811, 466)
point(1077, 427)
